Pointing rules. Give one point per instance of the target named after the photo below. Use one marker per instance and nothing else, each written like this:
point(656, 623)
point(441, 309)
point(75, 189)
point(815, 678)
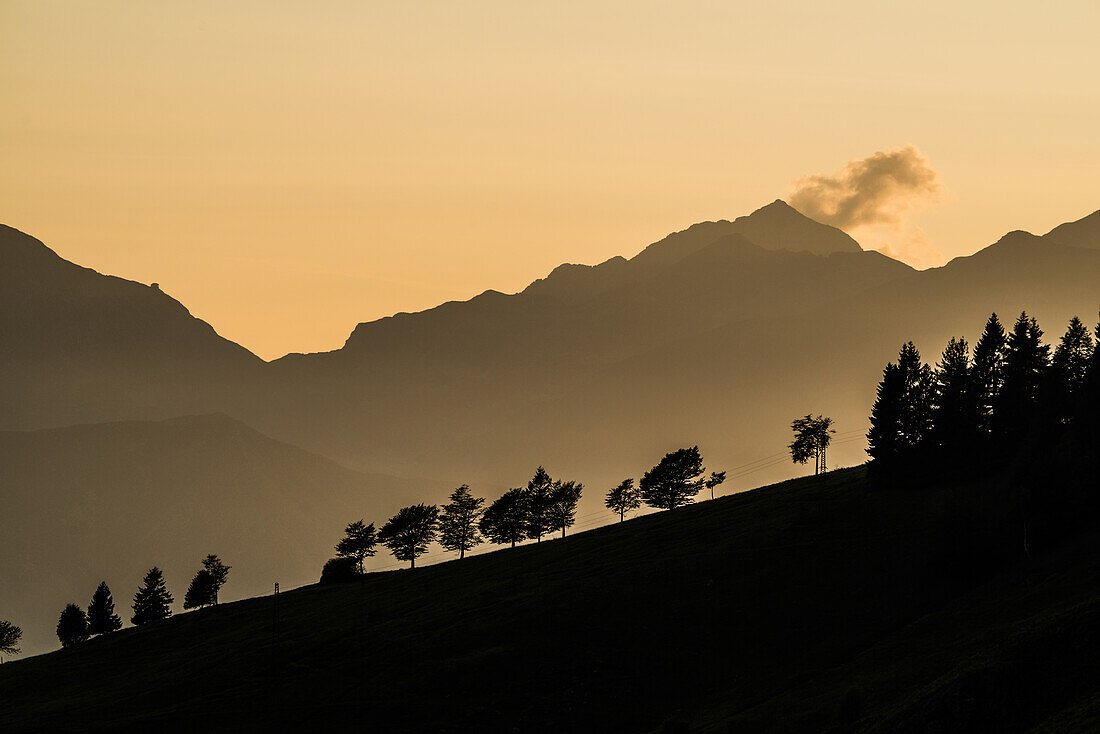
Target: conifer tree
point(987, 374)
point(1025, 367)
point(623, 498)
point(563, 504)
point(1069, 368)
point(102, 619)
point(675, 480)
point(358, 543)
point(10, 635)
point(200, 592)
point(458, 521)
point(901, 417)
point(505, 521)
point(954, 416)
point(72, 626)
point(152, 602)
point(219, 574)
point(539, 491)
point(408, 533)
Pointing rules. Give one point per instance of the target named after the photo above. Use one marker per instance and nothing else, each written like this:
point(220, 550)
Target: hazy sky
point(287, 170)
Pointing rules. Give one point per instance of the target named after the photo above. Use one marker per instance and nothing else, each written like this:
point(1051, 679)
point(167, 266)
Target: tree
point(408, 533)
point(901, 418)
point(623, 498)
point(200, 591)
point(1070, 367)
point(72, 627)
point(102, 619)
point(563, 504)
point(954, 415)
point(458, 521)
point(539, 491)
point(674, 481)
point(339, 570)
point(715, 478)
point(1025, 365)
point(152, 602)
point(10, 635)
point(987, 374)
point(358, 543)
point(505, 521)
point(811, 440)
point(219, 573)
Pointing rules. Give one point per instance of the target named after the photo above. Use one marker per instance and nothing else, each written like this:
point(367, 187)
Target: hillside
point(107, 501)
point(795, 607)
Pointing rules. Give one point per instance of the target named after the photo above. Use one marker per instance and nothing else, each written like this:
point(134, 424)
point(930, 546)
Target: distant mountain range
point(718, 335)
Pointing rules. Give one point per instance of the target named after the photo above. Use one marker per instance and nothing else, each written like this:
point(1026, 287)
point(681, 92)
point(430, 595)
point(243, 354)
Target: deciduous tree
point(72, 626)
point(675, 480)
point(408, 533)
point(505, 521)
point(623, 498)
point(10, 635)
point(358, 543)
point(563, 504)
point(458, 521)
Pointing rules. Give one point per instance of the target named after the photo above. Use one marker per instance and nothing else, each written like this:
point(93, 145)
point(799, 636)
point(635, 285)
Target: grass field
point(811, 605)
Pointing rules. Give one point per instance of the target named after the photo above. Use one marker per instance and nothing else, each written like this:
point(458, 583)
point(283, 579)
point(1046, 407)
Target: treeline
point(152, 603)
point(1013, 403)
point(544, 506)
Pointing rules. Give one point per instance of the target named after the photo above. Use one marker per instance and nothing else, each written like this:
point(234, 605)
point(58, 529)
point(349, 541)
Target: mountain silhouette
point(80, 346)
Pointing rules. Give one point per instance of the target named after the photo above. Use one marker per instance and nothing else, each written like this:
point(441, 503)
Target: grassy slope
point(708, 615)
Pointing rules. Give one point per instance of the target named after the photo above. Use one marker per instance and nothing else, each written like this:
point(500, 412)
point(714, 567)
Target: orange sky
point(288, 170)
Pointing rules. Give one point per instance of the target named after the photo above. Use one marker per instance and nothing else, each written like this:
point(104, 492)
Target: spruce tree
point(623, 498)
point(102, 619)
point(505, 521)
point(72, 626)
point(152, 602)
point(884, 438)
point(10, 635)
point(987, 374)
point(539, 491)
point(408, 533)
point(219, 573)
point(458, 521)
point(563, 504)
point(954, 415)
point(1069, 368)
point(1026, 362)
point(358, 543)
point(675, 480)
point(200, 591)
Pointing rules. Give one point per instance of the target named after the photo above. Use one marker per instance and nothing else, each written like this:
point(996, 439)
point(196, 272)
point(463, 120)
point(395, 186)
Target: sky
point(287, 170)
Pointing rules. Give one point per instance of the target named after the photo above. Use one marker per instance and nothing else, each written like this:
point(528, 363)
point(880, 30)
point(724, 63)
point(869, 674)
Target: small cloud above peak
point(877, 195)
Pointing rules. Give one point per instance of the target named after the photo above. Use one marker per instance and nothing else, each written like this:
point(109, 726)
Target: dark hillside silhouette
point(795, 608)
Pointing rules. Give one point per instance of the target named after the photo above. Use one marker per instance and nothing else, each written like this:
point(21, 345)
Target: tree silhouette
point(623, 498)
point(10, 635)
point(901, 418)
point(152, 602)
point(1025, 365)
point(408, 533)
point(987, 373)
point(812, 437)
point(505, 521)
point(72, 627)
point(955, 415)
point(458, 521)
point(1070, 367)
point(219, 573)
point(200, 591)
point(715, 478)
point(338, 570)
point(563, 504)
point(674, 481)
point(539, 491)
point(358, 543)
point(102, 619)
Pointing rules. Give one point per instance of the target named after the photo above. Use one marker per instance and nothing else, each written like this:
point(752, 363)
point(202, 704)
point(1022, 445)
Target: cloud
point(877, 195)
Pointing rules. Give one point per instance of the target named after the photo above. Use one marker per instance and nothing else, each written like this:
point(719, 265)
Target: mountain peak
point(779, 226)
point(1085, 232)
